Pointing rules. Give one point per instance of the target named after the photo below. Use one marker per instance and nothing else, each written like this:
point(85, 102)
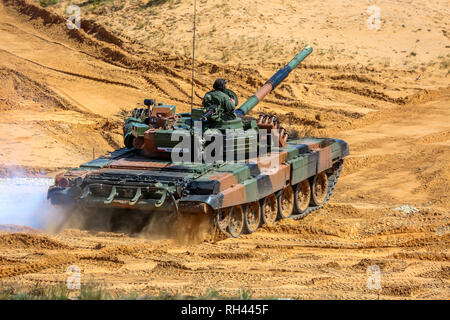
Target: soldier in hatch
point(223, 101)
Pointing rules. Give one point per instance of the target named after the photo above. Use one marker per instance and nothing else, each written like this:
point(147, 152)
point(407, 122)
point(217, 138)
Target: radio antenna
point(193, 54)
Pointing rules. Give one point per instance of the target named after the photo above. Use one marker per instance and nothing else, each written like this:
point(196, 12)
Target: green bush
point(46, 3)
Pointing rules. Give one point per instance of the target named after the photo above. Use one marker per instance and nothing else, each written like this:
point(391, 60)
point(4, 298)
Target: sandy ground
point(63, 93)
point(257, 31)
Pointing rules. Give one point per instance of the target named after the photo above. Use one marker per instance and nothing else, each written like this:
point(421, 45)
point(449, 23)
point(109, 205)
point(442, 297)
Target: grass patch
point(155, 3)
point(91, 291)
point(36, 292)
point(226, 56)
point(94, 292)
point(95, 4)
point(46, 3)
point(140, 25)
point(444, 64)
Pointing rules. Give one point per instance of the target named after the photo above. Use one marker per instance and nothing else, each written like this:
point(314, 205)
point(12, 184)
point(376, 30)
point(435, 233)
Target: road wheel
point(236, 223)
point(302, 196)
point(252, 216)
point(319, 189)
point(269, 210)
point(223, 219)
point(286, 203)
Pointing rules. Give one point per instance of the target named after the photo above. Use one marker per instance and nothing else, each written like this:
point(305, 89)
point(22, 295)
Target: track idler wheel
point(223, 219)
point(286, 203)
point(236, 221)
point(319, 189)
point(269, 210)
point(302, 196)
point(252, 217)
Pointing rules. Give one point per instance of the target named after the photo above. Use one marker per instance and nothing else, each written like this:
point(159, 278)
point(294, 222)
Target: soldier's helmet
point(220, 84)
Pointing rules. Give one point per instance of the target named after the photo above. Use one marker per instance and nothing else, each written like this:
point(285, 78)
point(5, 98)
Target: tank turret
point(151, 130)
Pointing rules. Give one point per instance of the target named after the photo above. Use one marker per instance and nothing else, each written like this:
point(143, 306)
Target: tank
point(237, 175)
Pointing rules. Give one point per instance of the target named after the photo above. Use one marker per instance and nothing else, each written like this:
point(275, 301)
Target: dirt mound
point(35, 12)
point(435, 137)
point(91, 36)
point(167, 265)
point(229, 255)
point(50, 262)
point(48, 18)
point(18, 229)
point(19, 92)
point(435, 256)
point(400, 290)
point(307, 230)
point(103, 258)
point(223, 30)
point(385, 265)
point(29, 241)
point(426, 95)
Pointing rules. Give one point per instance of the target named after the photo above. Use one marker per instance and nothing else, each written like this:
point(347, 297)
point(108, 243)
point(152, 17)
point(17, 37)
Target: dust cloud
point(23, 201)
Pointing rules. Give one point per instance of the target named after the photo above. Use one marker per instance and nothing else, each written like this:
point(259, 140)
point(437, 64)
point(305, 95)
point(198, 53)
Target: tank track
point(216, 234)
point(332, 181)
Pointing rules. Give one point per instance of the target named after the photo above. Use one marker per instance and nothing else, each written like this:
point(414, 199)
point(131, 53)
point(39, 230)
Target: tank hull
point(125, 179)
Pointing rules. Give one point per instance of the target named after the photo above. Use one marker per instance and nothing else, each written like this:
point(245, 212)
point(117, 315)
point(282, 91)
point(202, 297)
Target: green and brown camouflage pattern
point(216, 185)
point(142, 177)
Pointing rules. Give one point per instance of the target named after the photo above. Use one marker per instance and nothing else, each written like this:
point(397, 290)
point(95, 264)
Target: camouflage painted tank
point(240, 173)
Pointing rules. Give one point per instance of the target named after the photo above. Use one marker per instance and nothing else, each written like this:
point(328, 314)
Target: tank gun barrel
point(273, 82)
